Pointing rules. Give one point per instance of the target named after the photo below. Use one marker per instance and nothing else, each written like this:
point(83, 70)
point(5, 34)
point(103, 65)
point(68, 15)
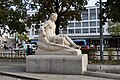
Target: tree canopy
point(66, 10)
point(114, 29)
point(111, 10)
point(22, 37)
point(12, 15)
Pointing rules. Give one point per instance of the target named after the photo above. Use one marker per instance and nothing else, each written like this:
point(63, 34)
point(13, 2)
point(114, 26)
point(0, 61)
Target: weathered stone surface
point(59, 64)
point(59, 52)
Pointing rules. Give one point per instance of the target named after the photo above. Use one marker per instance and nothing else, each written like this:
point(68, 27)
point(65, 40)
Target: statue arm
point(43, 29)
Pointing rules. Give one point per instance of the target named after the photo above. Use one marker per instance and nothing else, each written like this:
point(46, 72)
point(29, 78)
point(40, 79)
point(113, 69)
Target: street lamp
point(101, 32)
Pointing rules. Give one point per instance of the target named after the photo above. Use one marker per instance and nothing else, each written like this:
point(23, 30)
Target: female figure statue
point(50, 41)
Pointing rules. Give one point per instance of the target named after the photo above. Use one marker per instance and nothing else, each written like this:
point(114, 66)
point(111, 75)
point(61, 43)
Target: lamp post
point(101, 33)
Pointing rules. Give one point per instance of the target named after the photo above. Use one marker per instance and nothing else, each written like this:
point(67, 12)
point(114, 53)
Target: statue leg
point(71, 42)
point(63, 41)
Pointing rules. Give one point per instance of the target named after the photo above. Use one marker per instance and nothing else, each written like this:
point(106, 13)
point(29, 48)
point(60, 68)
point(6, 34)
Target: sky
point(92, 2)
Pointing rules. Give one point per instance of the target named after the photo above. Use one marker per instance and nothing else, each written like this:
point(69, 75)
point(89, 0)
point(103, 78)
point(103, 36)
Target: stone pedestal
point(58, 64)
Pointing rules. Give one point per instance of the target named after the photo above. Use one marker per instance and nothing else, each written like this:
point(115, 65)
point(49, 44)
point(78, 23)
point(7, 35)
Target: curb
point(102, 75)
point(15, 75)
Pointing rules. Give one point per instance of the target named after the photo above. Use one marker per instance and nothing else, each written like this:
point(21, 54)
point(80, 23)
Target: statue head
point(53, 16)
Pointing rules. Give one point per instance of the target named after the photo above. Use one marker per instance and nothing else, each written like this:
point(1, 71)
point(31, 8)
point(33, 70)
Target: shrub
point(91, 53)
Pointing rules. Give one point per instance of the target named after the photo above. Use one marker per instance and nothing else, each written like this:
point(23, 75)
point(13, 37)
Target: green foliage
point(23, 37)
point(111, 10)
point(110, 53)
point(114, 29)
point(13, 14)
point(91, 53)
point(66, 10)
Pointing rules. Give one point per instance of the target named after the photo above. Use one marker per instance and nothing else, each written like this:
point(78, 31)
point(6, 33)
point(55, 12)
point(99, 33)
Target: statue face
point(53, 17)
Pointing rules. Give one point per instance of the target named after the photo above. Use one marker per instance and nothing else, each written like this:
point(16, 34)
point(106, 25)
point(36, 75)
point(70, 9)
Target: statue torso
point(50, 29)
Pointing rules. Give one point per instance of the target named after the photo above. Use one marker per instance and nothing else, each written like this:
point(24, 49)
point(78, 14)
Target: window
point(28, 15)
point(98, 23)
point(85, 30)
point(32, 31)
point(92, 30)
point(103, 30)
point(98, 30)
point(36, 32)
point(92, 14)
point(93, 23)
point(11, 35)
point(77, 24)
point(77, 31)
point(70, 24)
point(85, 15)
point(85, 24)
point(64, 31)
point(28, 32)
point(70, 31)
point(98, 12)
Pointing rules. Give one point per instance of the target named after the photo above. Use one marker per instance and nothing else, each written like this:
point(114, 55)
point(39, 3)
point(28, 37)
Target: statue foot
point(77, 47)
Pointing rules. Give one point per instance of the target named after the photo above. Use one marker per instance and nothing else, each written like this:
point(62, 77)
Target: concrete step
point(102, 75)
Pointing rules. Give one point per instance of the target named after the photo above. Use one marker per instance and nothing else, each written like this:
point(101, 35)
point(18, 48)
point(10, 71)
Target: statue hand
point(43, 35)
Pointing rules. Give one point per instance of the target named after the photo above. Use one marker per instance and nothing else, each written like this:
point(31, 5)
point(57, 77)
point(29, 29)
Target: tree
point(114, 29)
point(22, 37)
point(111, 10)
point(13, 15)
point(66, 10)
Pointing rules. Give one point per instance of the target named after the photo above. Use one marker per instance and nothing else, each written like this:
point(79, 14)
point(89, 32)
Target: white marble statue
point(50, 43)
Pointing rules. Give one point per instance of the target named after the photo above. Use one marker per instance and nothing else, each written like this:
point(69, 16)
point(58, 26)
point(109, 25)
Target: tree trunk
point(57, 27)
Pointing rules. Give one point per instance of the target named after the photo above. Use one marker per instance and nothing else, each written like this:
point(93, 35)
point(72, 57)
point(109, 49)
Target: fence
point(108, 54)
point(13, 54)
point(111, 54)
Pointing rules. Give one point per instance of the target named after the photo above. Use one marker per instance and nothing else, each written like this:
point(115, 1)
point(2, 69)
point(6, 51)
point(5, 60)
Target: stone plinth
point(58, 64)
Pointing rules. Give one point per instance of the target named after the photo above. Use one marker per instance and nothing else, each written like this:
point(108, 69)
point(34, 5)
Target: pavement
point(17, 69)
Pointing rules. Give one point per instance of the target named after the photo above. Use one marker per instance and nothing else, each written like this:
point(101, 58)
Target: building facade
point(88, 28)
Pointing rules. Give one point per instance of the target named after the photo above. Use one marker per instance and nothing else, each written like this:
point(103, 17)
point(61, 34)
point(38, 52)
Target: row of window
point(84, 24)
point(77, 24)
point(84, 30)
point(91, 14)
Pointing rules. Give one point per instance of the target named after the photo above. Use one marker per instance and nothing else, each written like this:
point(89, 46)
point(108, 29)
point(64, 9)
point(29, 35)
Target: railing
point(108, 54)
point(13, 54)
point(92, 55)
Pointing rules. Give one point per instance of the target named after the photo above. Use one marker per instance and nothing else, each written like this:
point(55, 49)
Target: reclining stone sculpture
point(50, 43)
